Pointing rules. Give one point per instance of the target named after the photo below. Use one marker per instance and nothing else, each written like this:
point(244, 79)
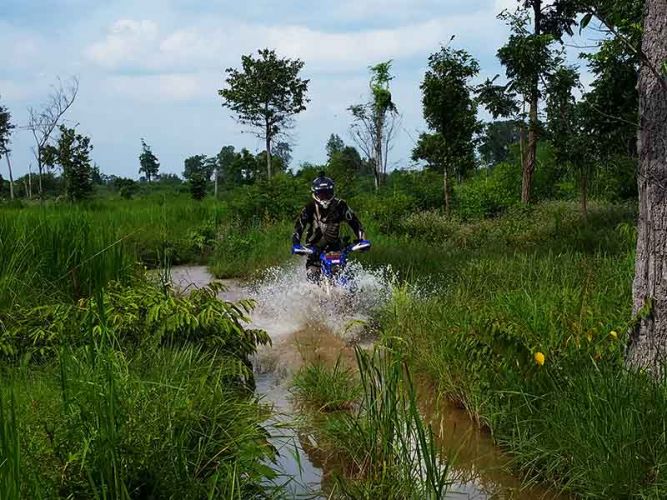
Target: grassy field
point(104, 373)
point(526, 329)
point(520, 320)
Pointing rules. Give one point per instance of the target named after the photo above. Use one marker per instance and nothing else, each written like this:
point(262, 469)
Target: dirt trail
point(306, 326)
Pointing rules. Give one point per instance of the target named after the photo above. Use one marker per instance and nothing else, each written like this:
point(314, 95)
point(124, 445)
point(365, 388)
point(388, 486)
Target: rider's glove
point(296, 249)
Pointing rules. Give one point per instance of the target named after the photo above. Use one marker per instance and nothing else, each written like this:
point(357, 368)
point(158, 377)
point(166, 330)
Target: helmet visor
point(324, 194)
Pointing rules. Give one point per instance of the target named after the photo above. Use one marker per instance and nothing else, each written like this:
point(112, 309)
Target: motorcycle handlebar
point(359, 246)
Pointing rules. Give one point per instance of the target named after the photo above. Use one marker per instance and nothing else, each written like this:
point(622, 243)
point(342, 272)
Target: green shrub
point(489, 192)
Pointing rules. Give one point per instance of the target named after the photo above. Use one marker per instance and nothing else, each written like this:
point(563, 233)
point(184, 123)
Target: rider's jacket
point(324, 224)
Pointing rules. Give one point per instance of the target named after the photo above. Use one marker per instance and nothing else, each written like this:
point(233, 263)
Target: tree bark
point(531, 157)
point(648, 339)
point(39, 167)
point(268, 150)
point(379, 127)
point(11, 177)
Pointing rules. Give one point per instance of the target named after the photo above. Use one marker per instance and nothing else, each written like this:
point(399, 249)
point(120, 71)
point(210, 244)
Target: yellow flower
point(613, 334)
point(539, 358)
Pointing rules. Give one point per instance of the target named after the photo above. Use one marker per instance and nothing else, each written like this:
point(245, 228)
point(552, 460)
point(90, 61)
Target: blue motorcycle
point(333, 263)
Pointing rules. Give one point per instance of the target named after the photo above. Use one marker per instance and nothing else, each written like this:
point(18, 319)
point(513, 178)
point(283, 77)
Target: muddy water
point(305, 326)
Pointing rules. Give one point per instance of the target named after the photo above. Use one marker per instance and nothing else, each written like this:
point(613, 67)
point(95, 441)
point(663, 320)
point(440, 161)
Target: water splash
point(287, 303)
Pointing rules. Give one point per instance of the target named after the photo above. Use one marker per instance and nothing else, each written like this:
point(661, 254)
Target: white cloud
point(127, 41)
point(136, 45)
point(164, 87)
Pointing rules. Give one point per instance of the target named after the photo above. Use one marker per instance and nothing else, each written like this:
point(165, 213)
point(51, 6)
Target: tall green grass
point(561, 287)
point(245, 249)
point(139, 393)
point(379, 446)
point(59, 251)
point(10, 448)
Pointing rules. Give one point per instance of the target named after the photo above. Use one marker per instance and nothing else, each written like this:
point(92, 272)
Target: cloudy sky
point(150, 68)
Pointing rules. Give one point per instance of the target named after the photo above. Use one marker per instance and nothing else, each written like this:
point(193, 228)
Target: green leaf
point(584, 21)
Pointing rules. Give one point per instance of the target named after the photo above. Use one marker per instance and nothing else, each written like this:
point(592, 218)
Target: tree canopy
point(72, 154)
point(149, 164)
point(265, 94)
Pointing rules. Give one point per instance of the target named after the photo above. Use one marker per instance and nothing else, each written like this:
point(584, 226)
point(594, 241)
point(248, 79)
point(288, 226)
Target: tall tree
point(528, 57)
point(148, 162)
point(72, 154)
point(612, 103)
point(496, 140)
point(648, 340)
point(375, 122)
point(198, 171)
point(344, 166)
point(283, 151)
point(6, 127)
point(43, 122)
point(569, 128)
point(266, 94)
point(225, 158)
point(334, 145)
point(451, 112)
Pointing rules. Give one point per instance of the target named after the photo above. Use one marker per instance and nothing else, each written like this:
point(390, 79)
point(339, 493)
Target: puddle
point(306, 325)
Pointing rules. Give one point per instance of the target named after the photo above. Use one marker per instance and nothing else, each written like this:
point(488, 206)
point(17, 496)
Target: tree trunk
point(522, 142)
point(215, 184)
point(268, 150)
point(445, 186)
point(379, 125)
point(531, 157)
point(39, 168)
point(11, 177)
point(648, 338)
point(29, 185)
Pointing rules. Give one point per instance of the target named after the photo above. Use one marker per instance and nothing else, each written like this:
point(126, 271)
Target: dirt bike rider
point(323, 217)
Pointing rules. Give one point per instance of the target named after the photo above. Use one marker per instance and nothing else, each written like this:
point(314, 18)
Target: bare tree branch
point(43, 121)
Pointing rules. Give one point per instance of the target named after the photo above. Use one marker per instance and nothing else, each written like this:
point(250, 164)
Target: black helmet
point(323, 190)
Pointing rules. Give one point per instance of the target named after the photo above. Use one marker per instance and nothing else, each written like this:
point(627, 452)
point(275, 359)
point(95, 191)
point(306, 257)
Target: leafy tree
point(148, 162)
point(277, 165)
point(43, 122)
point(225, 159)
point(6, 127)
point(198, 171)
point(245, 169)
point(345, 166)
point(648, 338)
point(334, 145)
point(374, 123)
point(496, 139)
point(96, 175)
point(568, 128)
point(528, 57)
point(126, 188)
point(72, 154)
point(451, 112)
point(266, 94)
point(283, 151)
point(170, 179)
point(612, 103)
